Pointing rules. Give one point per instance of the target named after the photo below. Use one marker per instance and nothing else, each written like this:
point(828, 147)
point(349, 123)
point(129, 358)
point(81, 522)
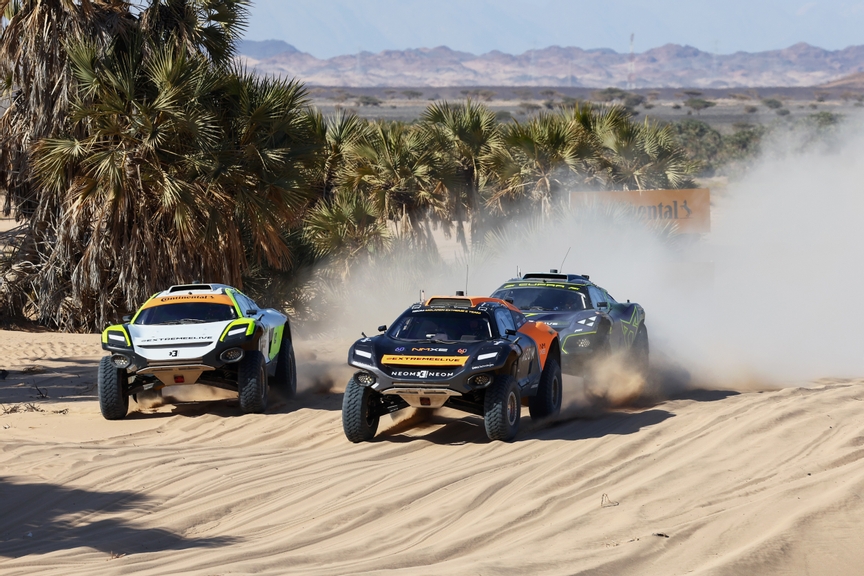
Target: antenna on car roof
point(422, 296)
point(466, 278)
point(565, 258)
point(518, 272)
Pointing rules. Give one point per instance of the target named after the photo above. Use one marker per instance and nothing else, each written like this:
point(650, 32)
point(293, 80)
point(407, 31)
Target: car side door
point(604, 309)
point(527, 361)
point(266, 324)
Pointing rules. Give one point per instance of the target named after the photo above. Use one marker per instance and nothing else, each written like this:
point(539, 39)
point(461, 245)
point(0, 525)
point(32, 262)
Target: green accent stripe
point(276, 343)
point(116, 328)
point(250, 327)
point(237, 309)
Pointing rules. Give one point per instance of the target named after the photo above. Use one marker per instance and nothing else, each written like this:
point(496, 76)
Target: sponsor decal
point(437, 309)
point(482, 366)
point(422, 373)
point(427, 350)
point(181, 298)
point(400, 349)
point(424, 360)
point(187, 297)
point(172, 339)
point(690, 209)
point(462, 350)
point(575, 287)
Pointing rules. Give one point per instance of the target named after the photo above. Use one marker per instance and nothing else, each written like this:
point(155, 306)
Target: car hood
point(176, 341)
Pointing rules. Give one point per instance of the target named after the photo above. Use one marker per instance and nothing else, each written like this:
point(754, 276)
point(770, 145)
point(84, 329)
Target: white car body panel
point(173, 342)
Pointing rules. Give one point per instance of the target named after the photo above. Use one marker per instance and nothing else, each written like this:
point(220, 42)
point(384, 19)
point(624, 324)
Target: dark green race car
point(590, 322)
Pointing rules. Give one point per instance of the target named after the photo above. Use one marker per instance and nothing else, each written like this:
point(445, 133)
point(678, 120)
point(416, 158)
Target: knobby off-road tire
point(547, 402)
point(502, 408)
point(359, 419)
point(252, 383)
point(112, 383)
point(639, 351)
point(285, 380)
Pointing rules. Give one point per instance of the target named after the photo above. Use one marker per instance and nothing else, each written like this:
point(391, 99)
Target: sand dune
point(711, 482)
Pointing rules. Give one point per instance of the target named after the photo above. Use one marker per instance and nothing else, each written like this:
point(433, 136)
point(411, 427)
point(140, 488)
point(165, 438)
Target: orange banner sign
point(689, 209)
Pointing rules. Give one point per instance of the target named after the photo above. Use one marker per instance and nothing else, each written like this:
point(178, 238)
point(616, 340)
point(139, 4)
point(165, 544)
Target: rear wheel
point(502, 408)
point(252, 382)
point(359, 412)
point(285, 380)
point(547, 402)
point(112, 384)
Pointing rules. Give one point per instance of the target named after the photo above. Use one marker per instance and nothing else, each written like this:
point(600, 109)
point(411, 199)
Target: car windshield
point(186, 313)
point(546, 299)
point(453, 326)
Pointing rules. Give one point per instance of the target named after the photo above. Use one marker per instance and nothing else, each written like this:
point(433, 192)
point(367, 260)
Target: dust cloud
point(768, 298)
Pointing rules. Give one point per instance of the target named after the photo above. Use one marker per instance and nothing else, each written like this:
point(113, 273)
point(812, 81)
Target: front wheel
point(112, 384)
point(359, 414)
point(502, 408)
point(547, 402)
point(639, 351)
point(252, 383)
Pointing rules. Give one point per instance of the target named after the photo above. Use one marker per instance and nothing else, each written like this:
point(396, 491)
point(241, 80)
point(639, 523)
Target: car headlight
point(121, 361)
point(238, 330)
point(364, 378)
point(231, 355)
point(117, 339)
point(480, 380)
point(487, 356)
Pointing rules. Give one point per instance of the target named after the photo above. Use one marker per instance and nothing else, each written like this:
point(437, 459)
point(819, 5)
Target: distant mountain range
point(670, 66)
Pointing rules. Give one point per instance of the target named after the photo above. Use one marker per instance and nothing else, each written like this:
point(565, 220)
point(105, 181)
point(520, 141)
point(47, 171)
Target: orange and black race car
point(480, 355)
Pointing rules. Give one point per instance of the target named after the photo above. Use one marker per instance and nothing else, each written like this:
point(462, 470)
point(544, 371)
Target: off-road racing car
point(197, 334)
point(590, 323)
point(479, 355)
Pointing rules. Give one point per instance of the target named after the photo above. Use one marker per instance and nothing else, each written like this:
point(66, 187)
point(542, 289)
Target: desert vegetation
point(137, 154)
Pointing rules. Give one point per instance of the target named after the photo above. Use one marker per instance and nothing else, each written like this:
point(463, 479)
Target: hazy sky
point(328, 28)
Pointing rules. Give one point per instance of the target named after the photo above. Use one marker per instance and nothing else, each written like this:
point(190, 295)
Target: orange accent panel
point(184, 298)
point(543, 335)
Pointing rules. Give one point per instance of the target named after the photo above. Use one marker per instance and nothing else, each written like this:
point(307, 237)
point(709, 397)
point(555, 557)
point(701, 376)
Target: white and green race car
point(209, 334)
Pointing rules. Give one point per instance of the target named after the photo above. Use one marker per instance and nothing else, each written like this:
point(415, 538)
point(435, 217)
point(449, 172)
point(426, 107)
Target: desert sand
point(707, 482)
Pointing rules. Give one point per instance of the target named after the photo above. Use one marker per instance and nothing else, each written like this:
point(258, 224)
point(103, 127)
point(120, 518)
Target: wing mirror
point(603, 306)
point(510, 332)
point(127, 318)
point(382, 328)
point(251, 312)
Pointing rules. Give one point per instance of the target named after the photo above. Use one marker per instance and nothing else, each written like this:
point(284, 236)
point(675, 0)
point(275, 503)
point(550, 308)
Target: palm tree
point(37, 80)
point(345, 228)
point(468, 137)
point(644, 156)
point(542, 158)
point(207, 27)
point(334, 137)
point(395, 166)
point(185, 171)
